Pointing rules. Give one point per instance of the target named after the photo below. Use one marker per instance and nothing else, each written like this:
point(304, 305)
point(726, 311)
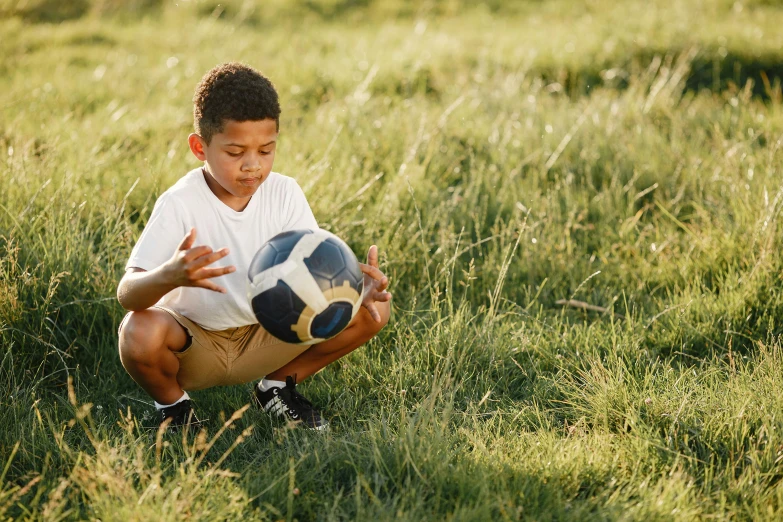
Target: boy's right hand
point(188, 266)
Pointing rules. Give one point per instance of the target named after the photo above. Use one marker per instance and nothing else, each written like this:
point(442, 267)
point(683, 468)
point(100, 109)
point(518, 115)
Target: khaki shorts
point(233, 356)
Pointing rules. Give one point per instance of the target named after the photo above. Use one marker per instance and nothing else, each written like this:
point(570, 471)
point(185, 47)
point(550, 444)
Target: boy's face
point(238, 159)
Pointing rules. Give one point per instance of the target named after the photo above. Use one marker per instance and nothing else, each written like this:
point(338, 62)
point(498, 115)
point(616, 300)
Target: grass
point(504, 158)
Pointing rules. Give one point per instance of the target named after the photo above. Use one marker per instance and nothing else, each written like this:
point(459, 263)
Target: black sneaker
point(181, 415)
point(289, 403)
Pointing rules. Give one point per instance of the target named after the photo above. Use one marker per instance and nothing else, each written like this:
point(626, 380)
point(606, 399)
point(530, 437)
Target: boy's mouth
point(248, 182)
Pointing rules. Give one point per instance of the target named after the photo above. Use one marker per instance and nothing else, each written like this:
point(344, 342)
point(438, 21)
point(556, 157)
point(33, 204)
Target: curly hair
point(232, 91)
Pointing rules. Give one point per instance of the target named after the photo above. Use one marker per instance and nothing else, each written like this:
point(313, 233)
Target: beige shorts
point(226, 357)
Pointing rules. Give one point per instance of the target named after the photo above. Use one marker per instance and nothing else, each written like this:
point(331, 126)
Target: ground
point(506, 158)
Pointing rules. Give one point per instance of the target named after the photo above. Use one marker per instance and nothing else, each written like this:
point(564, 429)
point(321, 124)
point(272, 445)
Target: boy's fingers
point(372, 256)
point(372, 271)
point(196, 252)
point(373, 312)
point(205, 260)
point(381, 297)
point(188, 240)
point(209, 273)
point(209, 285)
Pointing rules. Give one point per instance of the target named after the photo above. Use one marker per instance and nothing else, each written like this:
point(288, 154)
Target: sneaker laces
point(297, 398)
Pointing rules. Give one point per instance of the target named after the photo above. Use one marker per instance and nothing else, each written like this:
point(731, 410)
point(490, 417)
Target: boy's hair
point(233, 91)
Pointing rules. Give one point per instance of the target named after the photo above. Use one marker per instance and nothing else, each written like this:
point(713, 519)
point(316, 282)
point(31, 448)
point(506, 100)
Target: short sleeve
point(160, 238)
point(297, 214)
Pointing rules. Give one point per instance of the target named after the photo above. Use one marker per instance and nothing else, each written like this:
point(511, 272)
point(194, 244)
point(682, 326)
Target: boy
point(190, 325)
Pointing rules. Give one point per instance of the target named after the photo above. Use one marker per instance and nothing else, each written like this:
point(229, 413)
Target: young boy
point(190, 324)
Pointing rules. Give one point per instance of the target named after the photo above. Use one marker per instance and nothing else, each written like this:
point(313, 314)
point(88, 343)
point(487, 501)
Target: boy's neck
point(227, 198)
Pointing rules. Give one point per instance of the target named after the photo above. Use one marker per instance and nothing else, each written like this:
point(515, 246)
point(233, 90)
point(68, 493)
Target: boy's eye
point(234, 154)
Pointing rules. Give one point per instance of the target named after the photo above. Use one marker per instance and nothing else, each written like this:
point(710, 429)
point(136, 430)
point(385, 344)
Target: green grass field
point(504, 157)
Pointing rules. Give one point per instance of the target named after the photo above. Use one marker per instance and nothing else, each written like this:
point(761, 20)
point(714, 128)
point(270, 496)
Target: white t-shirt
point(278, 205)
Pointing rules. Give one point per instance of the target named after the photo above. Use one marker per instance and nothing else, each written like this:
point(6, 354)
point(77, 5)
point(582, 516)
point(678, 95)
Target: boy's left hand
point(375, 284)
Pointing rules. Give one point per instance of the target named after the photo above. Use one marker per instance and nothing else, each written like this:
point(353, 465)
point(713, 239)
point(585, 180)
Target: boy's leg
point(148, 340)
point(361, 329)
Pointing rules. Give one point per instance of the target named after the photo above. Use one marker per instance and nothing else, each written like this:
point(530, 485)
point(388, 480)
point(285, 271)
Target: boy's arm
point(140, 289)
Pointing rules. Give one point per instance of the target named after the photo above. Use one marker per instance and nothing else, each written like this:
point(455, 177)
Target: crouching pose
point(190, 325)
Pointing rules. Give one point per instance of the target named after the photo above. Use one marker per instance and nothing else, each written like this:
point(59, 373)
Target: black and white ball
point(305, 286)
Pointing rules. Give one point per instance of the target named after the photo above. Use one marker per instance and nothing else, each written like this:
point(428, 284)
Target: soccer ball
point(305, 286)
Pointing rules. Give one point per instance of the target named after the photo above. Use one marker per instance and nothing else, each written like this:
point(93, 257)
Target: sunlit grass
point(500, 171)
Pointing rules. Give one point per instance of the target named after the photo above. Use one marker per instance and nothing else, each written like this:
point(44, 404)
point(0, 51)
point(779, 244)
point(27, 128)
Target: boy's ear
point(197, 146)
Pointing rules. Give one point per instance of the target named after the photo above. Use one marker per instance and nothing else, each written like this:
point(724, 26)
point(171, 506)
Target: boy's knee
point(142, 335)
